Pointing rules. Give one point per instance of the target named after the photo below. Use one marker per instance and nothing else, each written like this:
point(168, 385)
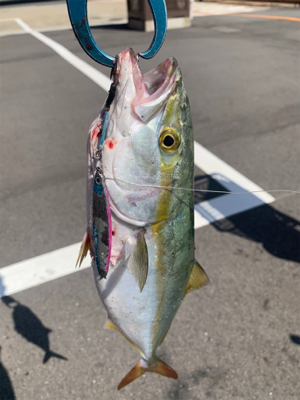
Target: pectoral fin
point(138, 260)
point(84, 248)
point(198, 278)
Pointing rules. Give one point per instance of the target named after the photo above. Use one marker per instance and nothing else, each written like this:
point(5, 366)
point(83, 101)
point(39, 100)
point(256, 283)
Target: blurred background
point(239, 337)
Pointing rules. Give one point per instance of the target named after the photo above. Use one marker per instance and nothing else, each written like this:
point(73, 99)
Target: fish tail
point(132, 375)
point(50, 354)
point(160, 367)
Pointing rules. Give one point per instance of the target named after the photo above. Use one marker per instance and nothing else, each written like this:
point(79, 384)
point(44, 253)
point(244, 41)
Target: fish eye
point(169, 140)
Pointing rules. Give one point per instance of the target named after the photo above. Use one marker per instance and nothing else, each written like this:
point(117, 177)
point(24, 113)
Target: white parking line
point(40, 269)
point(95, 75)
point(58, 263)
point(230, 204)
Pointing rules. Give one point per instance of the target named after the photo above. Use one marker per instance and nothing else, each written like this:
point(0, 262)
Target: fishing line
point(204, 190)
point(112, 116)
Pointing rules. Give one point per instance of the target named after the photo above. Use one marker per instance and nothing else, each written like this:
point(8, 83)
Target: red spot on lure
point(110, 143)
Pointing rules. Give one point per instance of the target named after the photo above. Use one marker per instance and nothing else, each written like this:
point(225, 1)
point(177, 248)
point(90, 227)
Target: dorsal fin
point(138, 260)
point(198, 278)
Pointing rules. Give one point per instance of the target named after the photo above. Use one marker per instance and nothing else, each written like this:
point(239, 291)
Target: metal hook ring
point(78, 16)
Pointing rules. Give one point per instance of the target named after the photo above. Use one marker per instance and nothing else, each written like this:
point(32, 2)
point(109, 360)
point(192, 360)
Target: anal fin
point(84, 248)
point(198, 278)
point(111, 325)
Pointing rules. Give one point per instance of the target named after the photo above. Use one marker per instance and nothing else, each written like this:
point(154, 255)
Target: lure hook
point(78, 16)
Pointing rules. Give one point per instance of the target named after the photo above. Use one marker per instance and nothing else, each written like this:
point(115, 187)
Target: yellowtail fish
point(140, 218)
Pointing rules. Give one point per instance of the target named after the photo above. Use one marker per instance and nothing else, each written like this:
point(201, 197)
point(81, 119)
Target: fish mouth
point(159, 78)
point(153, 88)
point(153, 80)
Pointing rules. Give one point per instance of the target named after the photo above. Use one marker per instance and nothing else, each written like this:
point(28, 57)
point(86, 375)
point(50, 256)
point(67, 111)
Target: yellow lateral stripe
point(157, 230)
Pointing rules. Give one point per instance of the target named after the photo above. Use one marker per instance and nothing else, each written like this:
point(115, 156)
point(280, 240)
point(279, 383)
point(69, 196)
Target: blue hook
point(78, 17)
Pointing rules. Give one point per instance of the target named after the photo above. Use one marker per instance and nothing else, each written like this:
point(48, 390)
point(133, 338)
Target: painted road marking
point(96, 76)
point(59, 263)
point(229, 204)
point(208, 212)
point(40, 269)
point(221, 8)
point(57, 28)
point(197, 13)
point(265, 17)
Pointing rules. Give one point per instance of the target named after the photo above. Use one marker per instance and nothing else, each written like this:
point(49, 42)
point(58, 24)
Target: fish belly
point(145, 317)
point(132, 312)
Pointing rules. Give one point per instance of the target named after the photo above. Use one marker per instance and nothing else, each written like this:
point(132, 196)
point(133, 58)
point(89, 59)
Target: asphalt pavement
point(237, 338)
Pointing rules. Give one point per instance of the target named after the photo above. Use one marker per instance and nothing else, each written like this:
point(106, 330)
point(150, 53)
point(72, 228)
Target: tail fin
point(138, 370)
point(50, 354)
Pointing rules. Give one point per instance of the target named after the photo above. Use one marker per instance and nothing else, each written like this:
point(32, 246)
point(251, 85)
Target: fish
point(140, 211)
point(28, 325)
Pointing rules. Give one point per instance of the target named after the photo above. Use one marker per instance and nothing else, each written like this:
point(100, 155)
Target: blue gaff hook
point(78, 17)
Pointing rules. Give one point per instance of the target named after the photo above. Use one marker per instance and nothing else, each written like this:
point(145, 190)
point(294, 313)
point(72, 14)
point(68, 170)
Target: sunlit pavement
point(47, 16)
point(235, 339)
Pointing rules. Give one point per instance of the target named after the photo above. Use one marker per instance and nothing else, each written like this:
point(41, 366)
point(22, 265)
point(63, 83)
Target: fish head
point(148, 147)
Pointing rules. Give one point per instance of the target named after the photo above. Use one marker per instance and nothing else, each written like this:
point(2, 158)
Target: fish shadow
point(28, 325)
point(295, 339)
point(278, 233)
point(209, 377)
point(6, 387)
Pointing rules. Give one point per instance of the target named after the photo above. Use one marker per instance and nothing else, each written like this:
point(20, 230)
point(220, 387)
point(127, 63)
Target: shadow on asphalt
point(6, 388)
point(113, 27)
point(30, 327)
point(295, 339)
point(210, 377)
point(277, 232)
point(206, 182)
